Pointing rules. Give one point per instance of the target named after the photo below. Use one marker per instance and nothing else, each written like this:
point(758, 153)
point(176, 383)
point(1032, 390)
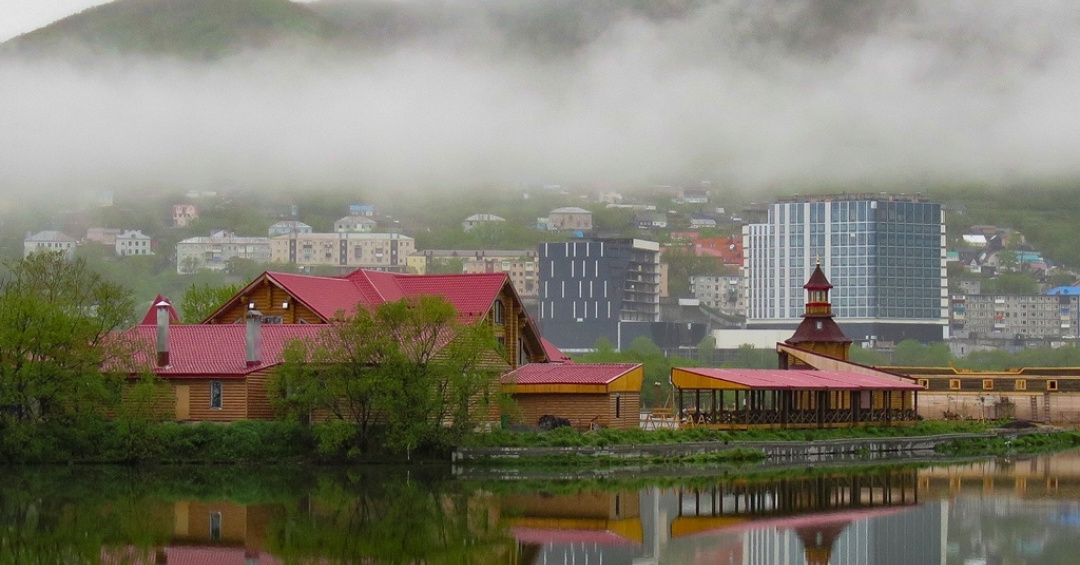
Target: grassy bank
point(569, 437)
point(1004, 445)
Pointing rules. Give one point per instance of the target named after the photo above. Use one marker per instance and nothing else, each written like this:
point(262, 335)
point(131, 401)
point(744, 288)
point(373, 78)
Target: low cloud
point(752, 96)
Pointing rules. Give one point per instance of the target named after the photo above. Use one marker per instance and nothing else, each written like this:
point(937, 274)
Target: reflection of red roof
point(215, 556)
point(568, 374)
point(779, 379)
point(567, 537)
point(554, 354)
point(841, 518)
point(214, 350)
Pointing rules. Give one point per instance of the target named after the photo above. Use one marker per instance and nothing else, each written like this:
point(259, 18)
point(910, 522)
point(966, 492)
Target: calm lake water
point(1006, 511)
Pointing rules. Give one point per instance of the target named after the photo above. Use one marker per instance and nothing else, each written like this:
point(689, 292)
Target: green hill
point(183, 28)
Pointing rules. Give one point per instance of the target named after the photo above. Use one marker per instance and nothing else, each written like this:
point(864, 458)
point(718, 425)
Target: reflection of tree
point(53, 517)
point(391, 521)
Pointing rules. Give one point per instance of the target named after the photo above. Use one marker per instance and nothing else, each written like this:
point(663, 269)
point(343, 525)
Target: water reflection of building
point(207, 533)
point(599, 527)
point(1027, 477)
point(841, 519)
point(816, 520)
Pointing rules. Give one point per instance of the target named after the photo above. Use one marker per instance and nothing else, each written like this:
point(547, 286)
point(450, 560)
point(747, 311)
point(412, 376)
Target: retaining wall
point(860, 449)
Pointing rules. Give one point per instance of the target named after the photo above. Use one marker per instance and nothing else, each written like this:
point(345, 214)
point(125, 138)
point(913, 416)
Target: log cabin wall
point(581, 409)
point(258, 402)
point(269, 300)
point(233, 400)
point(193, 521)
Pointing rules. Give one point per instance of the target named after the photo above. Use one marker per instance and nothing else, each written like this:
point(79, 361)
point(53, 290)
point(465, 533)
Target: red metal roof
point(554, 354)
point(326, 296)
point(818, 281)
point(213, 350)
point(779, 379)
point(818, 329)
point(471, 294)
point(151, 313)
point(568, 373)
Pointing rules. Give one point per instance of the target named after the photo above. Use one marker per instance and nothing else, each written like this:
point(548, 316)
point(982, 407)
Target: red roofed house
point(304, 299)
point(815, 386)
point(215, 373)
point(588, 394)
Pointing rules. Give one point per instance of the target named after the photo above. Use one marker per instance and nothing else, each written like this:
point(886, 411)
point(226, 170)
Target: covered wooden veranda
point(739, 399)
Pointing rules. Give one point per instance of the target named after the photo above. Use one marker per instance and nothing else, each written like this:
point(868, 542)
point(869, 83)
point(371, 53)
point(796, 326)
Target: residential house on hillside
point(184, 214)
point(698, 221)
point(49, 241)
point(477, 220)
point(313, 300)
point(133, 242)
point(650, 220)
point(522, 270)
point(365, 210)
point(570, 218)
point(729, 250)
point(722, 292)
point(694, 196)
point(346, 251)
point(213, 253)
point(287, 227)
point(103, 236)
point(359, 224)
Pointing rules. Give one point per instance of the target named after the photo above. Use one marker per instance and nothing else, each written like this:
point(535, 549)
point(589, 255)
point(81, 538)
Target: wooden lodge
point(210, 373)
point(488, 298)
point(589, 395)
point(815, 385)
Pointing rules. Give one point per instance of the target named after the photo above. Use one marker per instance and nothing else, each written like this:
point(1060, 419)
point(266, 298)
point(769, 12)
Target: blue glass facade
point(885, 257)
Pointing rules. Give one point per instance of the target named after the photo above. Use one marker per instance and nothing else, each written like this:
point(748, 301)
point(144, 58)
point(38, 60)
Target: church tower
point(818, 332)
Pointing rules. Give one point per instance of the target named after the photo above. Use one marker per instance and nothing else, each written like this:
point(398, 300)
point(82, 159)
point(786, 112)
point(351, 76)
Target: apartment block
point(347, 250)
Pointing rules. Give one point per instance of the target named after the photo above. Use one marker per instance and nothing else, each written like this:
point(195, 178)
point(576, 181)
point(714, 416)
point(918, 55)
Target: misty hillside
point(560, 27)
point(212, 28)
point(186, 28)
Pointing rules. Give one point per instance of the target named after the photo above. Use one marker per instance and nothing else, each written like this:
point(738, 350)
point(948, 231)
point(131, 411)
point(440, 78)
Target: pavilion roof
point(780, 379)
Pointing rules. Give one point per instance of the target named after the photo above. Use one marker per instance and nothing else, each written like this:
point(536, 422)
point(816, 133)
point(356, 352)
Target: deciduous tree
point(406, 375)
point(55, 317)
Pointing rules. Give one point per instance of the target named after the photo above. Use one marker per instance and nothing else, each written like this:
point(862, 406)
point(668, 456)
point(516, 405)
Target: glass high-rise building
point(884, 255)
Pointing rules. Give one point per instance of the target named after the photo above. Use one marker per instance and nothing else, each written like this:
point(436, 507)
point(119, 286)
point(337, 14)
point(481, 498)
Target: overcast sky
point(751, 94)
point(20, 16)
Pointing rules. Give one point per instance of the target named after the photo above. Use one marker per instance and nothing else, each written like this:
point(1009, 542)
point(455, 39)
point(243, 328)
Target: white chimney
point(254, 337)
point(162, 333)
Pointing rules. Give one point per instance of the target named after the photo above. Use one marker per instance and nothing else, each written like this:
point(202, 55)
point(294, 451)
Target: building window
point(954, 384)
point(618, 406)
point(215, 526)
point(988, 384)
point(1021, 384)
point(1052, 384)
point(925, 383)
point(499, 313)
point(215, 394)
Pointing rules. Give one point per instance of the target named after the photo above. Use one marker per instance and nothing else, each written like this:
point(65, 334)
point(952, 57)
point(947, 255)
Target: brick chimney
point(162, 333)
point(253, 318)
